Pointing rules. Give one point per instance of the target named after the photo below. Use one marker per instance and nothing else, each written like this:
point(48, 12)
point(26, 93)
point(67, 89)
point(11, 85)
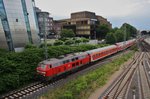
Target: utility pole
point(137, 40)
point(45, 34)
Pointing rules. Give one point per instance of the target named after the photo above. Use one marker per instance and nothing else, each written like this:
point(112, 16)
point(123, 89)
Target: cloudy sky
point(134, 12)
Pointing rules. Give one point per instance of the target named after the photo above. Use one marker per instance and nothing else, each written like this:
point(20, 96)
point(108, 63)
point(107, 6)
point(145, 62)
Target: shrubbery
point(30, 46)
point(70, 41)
point(58, 42)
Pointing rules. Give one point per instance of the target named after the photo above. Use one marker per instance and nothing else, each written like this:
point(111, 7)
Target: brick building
point(104, 21)
point(82, 23)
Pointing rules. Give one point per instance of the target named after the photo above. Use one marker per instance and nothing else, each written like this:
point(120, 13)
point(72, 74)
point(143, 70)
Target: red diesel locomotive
point(56, 66)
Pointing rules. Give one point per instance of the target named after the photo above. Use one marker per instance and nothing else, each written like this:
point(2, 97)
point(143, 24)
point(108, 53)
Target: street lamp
point(124, 43)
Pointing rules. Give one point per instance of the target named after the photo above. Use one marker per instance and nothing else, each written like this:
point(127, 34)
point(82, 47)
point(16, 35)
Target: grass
point(83, 86)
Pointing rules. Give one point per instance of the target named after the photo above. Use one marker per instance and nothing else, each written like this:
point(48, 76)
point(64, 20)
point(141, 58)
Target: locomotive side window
point(80, 57)
point(64, 62)
point(77, 58)
point(73, 59)
point(50, 66)
point(67, 61)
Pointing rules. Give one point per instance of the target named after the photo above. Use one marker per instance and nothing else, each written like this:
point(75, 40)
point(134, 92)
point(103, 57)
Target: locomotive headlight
point(41, 72)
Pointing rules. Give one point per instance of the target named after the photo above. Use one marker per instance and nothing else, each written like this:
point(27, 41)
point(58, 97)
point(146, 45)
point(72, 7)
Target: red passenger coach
point(126, 44)
point(100, 53)
point(121, 46)
point(53, 67)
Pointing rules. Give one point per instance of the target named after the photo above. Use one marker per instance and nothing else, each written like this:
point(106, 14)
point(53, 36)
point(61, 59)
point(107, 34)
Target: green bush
point(84, 40)
point(78, 41)
point(30, 46)
point(69, 42)
point(58, 42)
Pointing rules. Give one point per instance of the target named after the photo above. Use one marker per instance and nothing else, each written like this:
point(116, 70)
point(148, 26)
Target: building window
point(16, 20)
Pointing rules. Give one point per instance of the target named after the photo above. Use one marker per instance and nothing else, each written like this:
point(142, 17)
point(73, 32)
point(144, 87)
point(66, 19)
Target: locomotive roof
point(63, 57)
point(101, 49)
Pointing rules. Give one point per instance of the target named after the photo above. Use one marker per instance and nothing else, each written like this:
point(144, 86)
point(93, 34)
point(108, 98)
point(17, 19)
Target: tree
point(119, 35)
point(110, 38)
point(101, 31)
point(129, 29)
point(114, 29)
point(67, 33)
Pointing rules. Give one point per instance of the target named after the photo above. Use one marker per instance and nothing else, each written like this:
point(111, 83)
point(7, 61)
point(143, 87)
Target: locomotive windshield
point(43, 66)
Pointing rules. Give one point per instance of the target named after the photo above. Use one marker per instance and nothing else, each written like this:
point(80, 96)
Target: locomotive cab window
point(66, 61)
point(43, 66)
point(50, 66)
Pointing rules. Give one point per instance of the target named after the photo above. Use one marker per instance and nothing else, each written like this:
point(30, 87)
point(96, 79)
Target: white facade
point(21, 27)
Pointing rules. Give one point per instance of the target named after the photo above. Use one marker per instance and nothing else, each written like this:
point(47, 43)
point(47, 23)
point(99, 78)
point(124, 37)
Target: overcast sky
point(134, 12)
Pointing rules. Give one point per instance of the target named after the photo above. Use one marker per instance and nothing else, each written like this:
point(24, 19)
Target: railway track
point(34, 90)
point(24, 92)
point(134, 82)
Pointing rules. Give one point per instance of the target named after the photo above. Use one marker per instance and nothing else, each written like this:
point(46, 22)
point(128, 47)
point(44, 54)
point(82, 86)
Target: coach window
point(93, 56)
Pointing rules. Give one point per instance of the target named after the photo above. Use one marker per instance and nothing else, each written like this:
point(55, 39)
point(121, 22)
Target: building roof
point(83, 12)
